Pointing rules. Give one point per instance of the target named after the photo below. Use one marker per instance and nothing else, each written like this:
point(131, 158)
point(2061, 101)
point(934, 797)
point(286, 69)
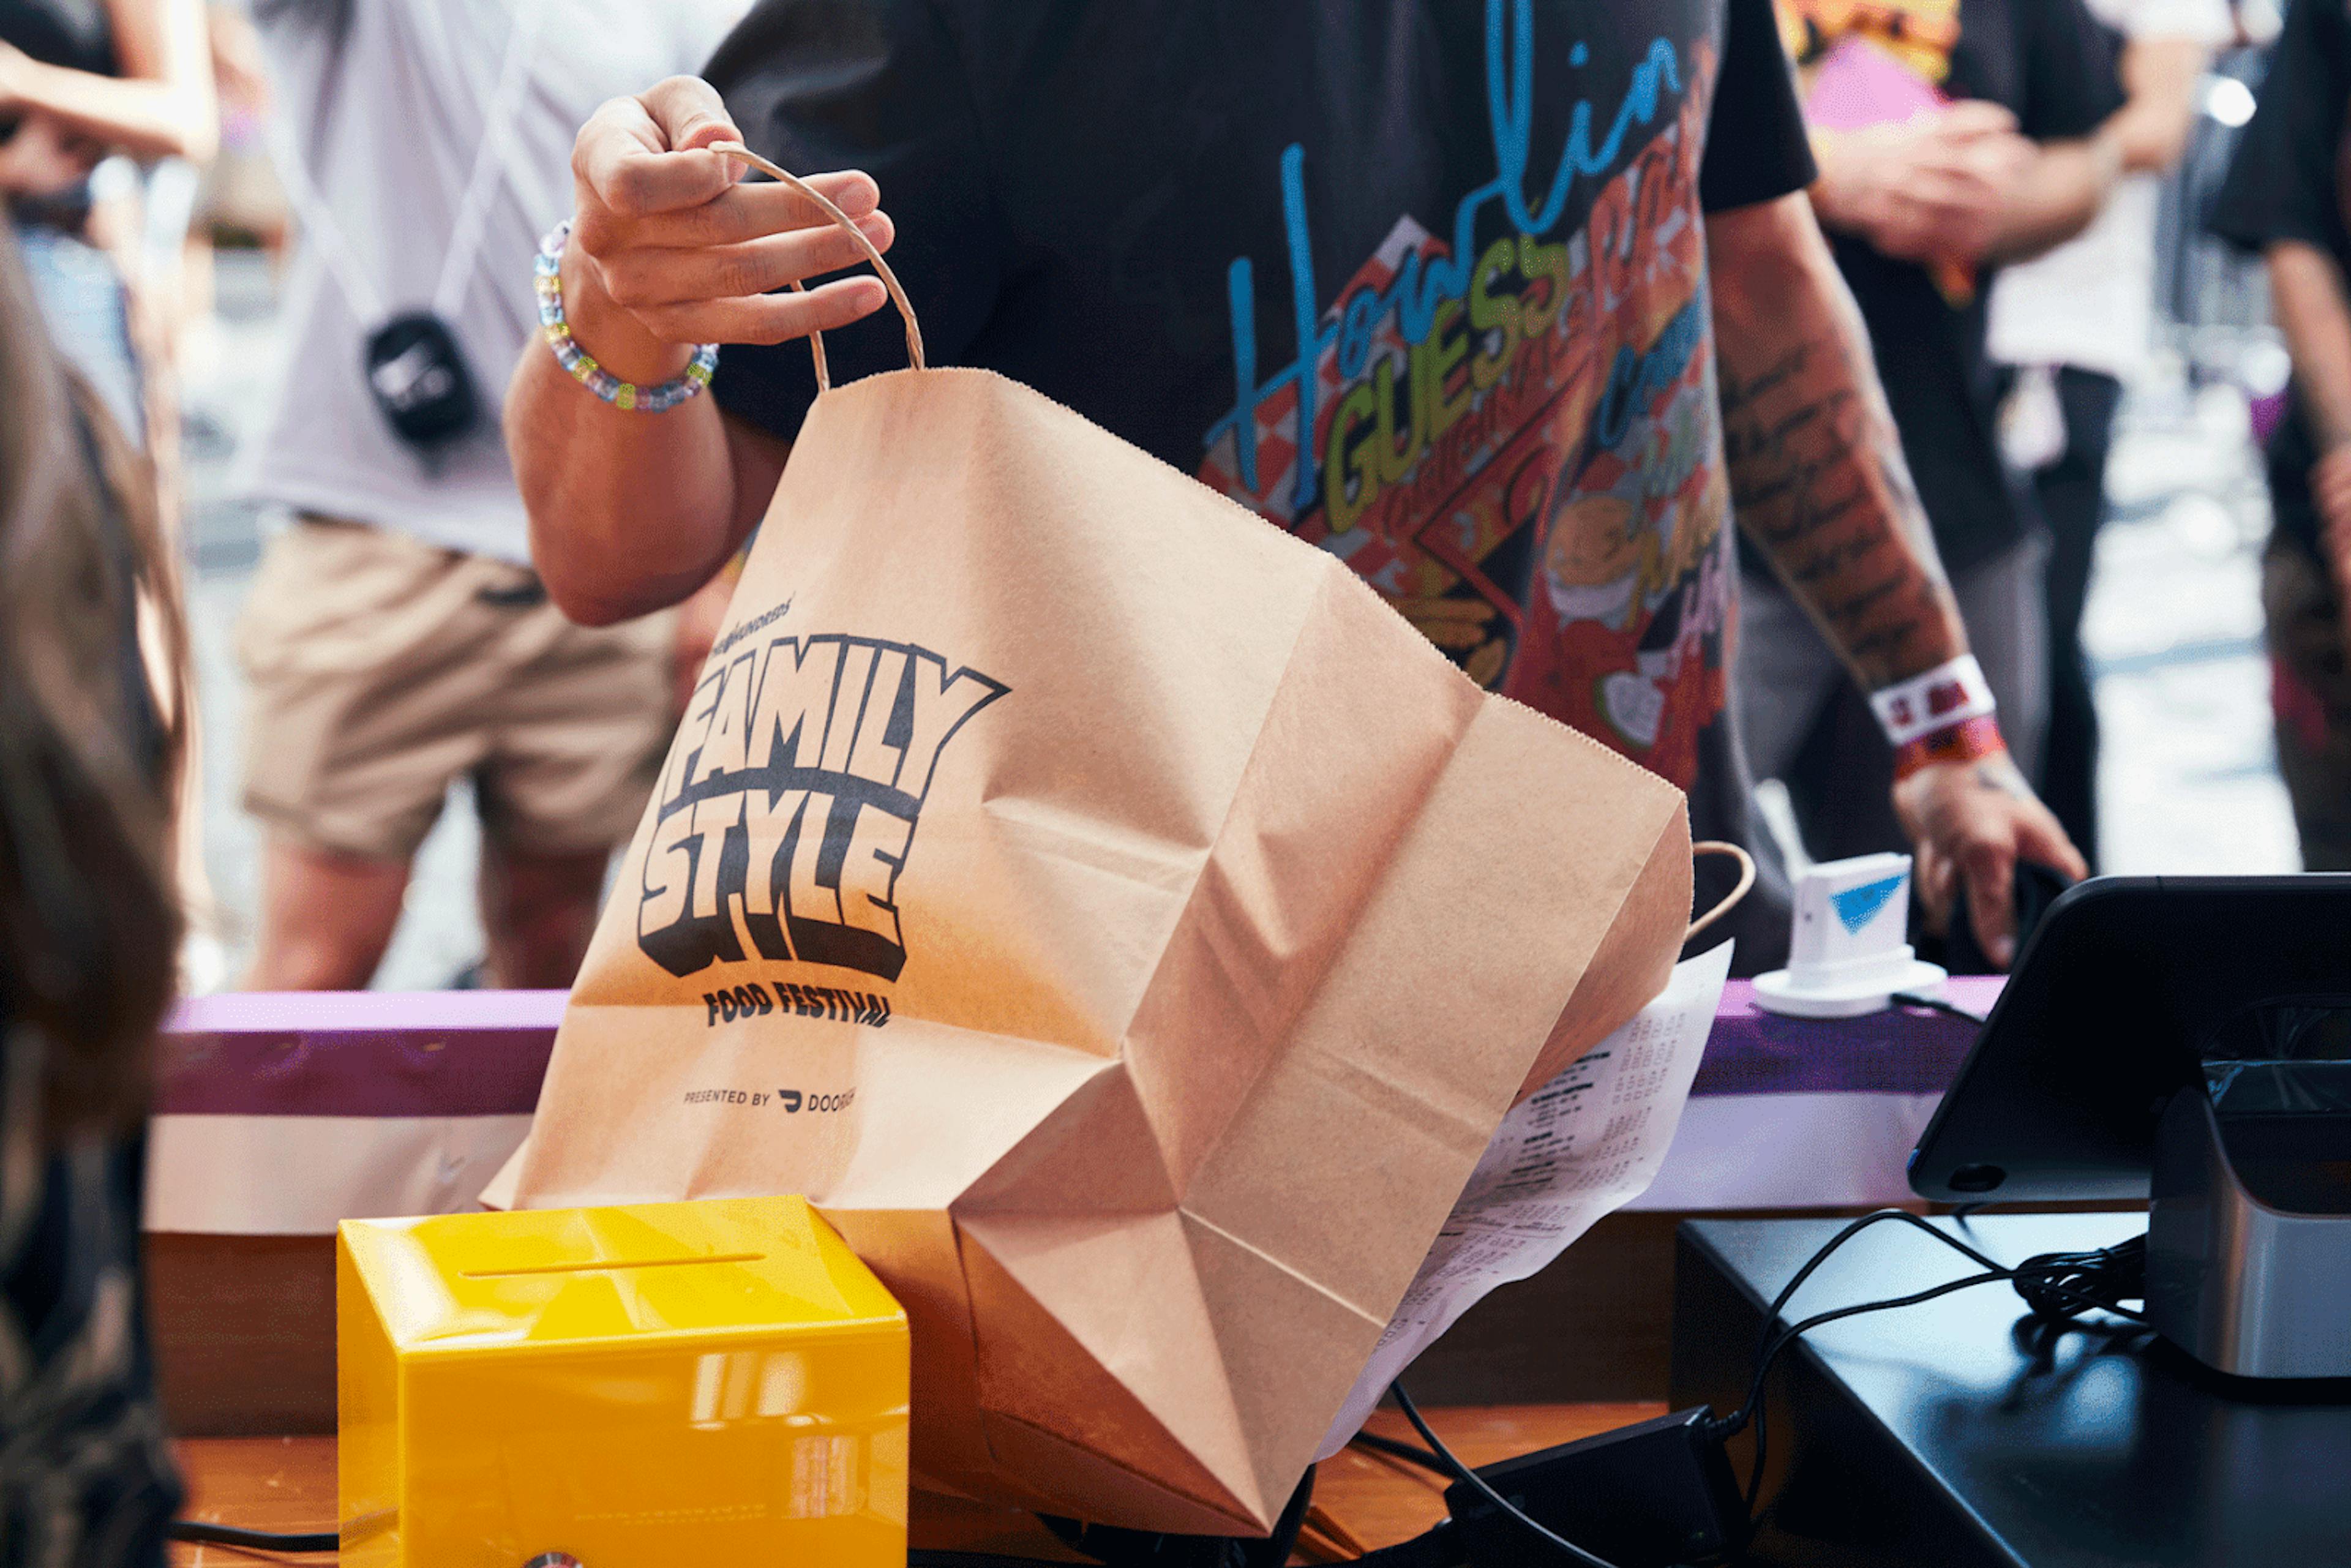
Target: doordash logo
point(790, 802)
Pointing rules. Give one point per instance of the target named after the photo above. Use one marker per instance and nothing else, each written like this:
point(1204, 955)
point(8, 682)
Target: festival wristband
point(1945, 695)
point(1942, 716)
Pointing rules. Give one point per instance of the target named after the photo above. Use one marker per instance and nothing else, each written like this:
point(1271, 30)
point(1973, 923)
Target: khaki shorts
point(383, 669)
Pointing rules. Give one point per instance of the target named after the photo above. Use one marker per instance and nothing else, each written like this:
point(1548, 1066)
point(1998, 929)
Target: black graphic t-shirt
point(2050, 63)
point(1425, 284)
point(2289, 181)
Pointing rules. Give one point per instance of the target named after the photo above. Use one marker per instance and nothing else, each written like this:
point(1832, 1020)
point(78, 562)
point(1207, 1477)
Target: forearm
point(630, 512)
point(145, 118)
point(161, 104)
point(1817, 474)
point(2057, 196)
point(2312, 310)
point(2162, 74)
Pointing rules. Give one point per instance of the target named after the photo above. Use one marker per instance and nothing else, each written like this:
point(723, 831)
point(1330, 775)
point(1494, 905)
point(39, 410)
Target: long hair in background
point(89, 759)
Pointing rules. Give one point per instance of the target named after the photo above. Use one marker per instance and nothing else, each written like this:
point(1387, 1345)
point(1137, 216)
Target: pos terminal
point(2185, 1041)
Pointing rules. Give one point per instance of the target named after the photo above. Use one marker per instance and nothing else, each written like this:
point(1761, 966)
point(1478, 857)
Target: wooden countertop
point(1363, 1499)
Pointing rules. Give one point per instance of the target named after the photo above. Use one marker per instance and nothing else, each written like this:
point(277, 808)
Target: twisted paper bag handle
point(889, 279)
point(1731, 900)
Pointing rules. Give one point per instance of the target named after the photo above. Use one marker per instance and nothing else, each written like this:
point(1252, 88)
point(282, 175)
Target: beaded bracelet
point(547, 269)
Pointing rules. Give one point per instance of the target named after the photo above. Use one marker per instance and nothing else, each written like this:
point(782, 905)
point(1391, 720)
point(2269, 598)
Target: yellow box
point(682, 1383)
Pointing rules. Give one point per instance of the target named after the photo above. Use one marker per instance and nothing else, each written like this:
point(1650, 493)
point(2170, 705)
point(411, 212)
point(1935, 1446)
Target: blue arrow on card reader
point(1857, 906)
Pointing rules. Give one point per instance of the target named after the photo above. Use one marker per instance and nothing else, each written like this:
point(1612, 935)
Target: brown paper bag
point(1123, 926)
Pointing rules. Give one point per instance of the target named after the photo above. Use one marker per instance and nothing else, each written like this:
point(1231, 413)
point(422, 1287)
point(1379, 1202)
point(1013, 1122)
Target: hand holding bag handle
point(872, 254)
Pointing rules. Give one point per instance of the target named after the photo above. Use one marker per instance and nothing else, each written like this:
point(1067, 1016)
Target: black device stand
point(2249, 1236)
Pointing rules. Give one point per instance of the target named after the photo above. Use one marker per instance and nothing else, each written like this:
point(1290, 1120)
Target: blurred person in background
point(2285, 198)
point(238, 202)
point(1954, 136)
point(89, 922)
point(1440, 288)
point(396, 640)
point(83, 82)
point(2079, 323)
point(80, 80)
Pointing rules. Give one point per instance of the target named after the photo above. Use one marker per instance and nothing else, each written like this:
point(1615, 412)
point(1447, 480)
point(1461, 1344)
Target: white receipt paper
point(1585, 1144)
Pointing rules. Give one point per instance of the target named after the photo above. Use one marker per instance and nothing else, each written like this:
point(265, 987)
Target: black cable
point(1729, 1425)
point(196, 1532)
point(1935, 1005)
point(1755, 1469)
point(2110, 1274)
point(2056, 1286)
point(1398, 1449)
point(1534, 1527)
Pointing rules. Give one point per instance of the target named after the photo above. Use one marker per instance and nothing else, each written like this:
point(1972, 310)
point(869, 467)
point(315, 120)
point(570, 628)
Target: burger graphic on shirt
point(1592, 561)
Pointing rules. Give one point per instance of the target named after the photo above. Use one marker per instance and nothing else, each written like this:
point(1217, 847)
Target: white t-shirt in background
point(384, 103)
point(2090, 303)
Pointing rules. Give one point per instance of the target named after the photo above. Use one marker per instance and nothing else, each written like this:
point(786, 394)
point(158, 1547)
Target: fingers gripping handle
point(872, 254)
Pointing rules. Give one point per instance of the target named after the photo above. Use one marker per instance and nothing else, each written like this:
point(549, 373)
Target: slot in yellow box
point(682, 1383)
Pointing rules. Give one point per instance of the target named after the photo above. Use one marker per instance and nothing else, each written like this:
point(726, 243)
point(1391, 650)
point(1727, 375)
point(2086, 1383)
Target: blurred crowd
point(455, 593)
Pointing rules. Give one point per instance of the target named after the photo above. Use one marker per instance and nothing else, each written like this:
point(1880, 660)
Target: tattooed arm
point(1819, 482)
point(1816, 466)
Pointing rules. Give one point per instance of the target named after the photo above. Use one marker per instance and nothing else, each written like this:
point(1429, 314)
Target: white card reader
point(1846, 955)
